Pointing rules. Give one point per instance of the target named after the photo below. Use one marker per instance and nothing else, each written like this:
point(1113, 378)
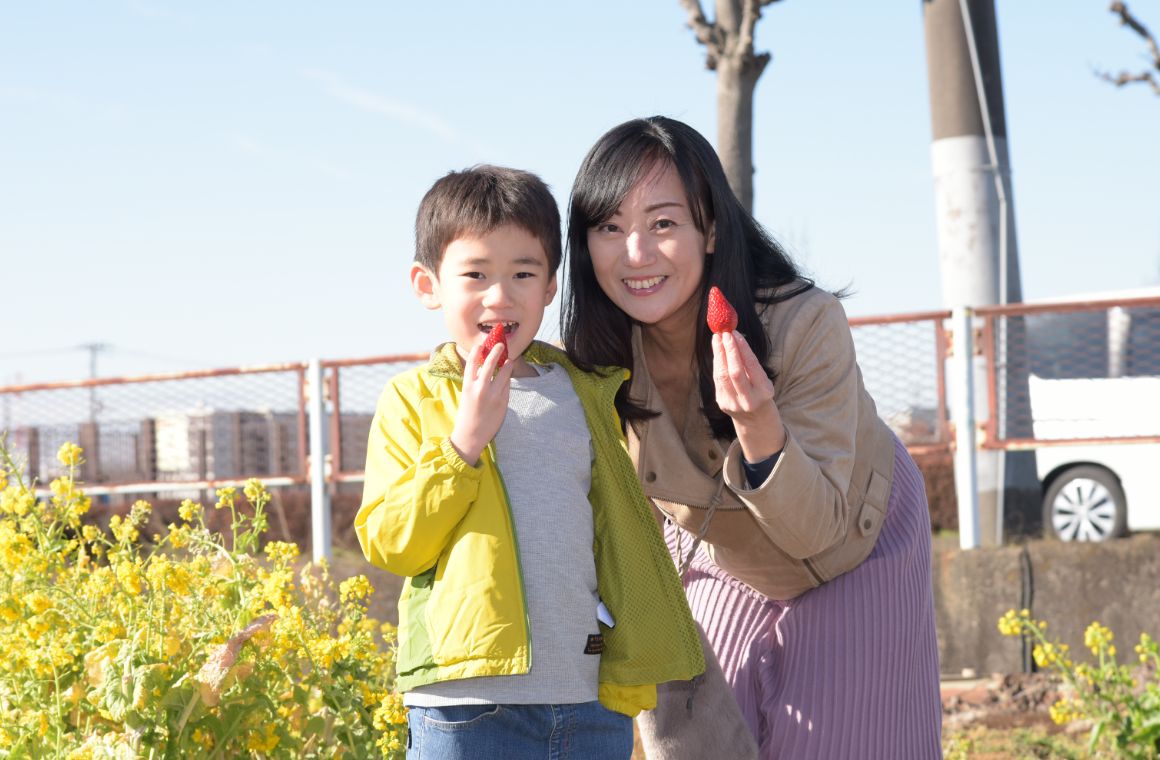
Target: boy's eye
point(473, 275)
point(524, 275)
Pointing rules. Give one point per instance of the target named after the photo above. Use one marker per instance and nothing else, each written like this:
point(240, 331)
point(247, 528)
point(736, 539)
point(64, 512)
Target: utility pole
point(978, 258)
point(90, 438)
point(94, 349)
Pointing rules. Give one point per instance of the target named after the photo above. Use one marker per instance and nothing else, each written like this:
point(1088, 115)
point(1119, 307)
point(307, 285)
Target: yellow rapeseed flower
point(355, 589)
point(225, 498)
point(1066, 710)
point(255, 490)
point(69, 455)
point(1097, 637)
point(281, 552)
point(123, 530)
point(129, 575)
point(188, 510)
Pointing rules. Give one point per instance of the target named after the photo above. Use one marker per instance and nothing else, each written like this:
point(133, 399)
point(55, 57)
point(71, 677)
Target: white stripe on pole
point(319, 498)
point(962, 402)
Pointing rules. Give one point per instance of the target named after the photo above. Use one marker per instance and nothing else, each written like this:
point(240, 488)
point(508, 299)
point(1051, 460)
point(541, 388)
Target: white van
point(1096, 374)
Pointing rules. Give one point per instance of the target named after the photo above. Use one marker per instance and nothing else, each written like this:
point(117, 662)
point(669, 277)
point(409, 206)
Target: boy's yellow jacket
point(447, 526)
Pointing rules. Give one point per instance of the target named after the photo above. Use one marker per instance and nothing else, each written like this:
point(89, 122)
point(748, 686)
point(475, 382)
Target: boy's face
point(501, 277)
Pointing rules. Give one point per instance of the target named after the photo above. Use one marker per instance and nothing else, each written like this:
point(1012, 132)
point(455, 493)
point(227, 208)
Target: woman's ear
point(711, 239)
point(426, 286)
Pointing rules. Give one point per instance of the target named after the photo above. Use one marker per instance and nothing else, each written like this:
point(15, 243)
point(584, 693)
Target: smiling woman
point(649, 254)
point(797, 520)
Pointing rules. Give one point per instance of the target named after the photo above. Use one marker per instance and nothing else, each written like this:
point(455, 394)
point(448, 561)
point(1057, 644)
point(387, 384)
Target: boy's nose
point(496, 295)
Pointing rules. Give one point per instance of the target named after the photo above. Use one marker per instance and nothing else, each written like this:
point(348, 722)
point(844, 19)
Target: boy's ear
point(711, 239)
point(551, 290)
point(425, 284)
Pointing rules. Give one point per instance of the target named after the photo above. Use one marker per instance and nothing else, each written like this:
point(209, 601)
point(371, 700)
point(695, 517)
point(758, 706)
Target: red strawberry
point(496, 336)
point(721, 316)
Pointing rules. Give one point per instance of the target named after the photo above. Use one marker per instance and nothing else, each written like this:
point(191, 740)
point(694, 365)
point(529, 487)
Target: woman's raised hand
point(745, 393)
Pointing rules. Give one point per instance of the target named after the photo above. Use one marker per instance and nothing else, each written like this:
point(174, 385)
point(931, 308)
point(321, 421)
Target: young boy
point(541, 607)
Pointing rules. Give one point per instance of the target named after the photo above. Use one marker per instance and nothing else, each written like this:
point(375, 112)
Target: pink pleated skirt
point(848, 669)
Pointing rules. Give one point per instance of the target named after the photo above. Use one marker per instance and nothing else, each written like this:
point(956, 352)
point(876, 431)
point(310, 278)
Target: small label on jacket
point(595, 643)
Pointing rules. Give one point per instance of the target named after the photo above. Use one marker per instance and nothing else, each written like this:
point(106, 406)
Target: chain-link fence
point(902, 358)
point(1070, 373)
point(164, 432)
point(1056, 374)
point(353, 388)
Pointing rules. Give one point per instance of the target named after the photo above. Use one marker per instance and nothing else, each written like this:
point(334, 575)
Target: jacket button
point(867, 523)
point(712, 454)
point(650, 477)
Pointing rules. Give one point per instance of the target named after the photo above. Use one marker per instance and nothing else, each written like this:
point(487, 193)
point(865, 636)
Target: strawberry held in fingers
point(497, 336)
point(721, 316)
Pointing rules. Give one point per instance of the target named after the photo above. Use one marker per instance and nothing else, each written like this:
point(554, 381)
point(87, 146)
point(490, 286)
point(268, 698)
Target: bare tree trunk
point(735, 128)
point(728, 42)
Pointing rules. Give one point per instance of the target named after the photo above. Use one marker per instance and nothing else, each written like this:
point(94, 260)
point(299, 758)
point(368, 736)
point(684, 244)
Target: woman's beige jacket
point(820, 511)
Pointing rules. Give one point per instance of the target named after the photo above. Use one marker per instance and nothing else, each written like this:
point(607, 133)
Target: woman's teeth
point(644, 284)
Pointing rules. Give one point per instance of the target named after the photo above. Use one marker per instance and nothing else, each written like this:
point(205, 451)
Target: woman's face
point(649, 256)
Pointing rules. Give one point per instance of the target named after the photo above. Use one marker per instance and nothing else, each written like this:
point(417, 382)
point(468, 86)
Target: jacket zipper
point(516, 541)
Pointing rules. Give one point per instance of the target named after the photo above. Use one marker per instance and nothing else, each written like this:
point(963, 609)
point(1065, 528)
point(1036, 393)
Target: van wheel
point(1085, 503)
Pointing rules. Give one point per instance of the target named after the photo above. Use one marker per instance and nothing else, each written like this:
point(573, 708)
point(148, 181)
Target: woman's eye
point(607, 227)
point(664, 224)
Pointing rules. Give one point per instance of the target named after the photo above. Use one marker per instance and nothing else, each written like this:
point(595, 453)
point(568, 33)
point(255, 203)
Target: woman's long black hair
point(747, 264)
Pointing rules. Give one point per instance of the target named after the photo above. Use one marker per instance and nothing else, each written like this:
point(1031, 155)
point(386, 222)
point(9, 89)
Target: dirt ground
point(1017, 700)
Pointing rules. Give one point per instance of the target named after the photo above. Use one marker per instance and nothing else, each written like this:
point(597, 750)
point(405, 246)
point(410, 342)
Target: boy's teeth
point(642, 284)
point(507, 326)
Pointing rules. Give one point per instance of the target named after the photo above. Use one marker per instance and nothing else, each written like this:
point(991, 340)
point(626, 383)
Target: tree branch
point(705, 32)
point(750, 15)
point(1128, 20)
point(1123, 78)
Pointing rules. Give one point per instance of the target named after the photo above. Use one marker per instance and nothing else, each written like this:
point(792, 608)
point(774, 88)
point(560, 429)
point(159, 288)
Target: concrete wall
point(1068, 585)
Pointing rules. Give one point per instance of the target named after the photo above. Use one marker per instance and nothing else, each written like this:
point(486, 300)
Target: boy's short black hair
point(475, 201)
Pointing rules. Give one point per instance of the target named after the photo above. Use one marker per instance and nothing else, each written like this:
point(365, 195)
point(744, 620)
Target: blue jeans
point(585, 731)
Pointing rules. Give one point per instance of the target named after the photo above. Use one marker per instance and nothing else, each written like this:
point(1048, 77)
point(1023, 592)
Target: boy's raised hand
point(483, 402)
point(745, 393)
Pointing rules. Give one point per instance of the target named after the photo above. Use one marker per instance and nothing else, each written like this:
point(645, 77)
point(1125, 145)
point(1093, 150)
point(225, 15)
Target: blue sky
point(212, 184)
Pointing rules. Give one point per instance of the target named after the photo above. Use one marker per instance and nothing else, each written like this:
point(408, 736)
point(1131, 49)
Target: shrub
point(190, 643)
point(1122, 704)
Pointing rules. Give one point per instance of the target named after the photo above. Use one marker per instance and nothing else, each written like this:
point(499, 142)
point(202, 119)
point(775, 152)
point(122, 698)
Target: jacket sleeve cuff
point(756, 473)
point(738, 472)
point(456, 463)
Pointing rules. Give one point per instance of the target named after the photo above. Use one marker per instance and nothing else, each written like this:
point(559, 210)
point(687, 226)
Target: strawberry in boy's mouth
point(496, 335)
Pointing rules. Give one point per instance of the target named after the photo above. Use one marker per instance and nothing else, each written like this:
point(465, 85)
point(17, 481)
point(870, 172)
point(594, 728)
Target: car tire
point(1085, 503)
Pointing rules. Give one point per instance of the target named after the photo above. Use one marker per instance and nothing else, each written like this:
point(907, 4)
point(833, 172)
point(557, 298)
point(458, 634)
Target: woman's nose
point(638, 253)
